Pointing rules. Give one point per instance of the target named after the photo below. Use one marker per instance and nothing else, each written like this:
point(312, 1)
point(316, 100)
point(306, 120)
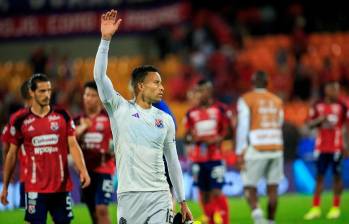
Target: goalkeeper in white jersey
point(142, 134)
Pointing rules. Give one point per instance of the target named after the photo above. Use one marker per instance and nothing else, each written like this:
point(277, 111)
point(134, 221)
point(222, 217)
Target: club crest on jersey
point(54, 126)
point(159, 123)
point(99, 126)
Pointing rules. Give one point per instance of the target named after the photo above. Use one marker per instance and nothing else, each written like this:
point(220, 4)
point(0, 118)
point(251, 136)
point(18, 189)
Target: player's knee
point(320, 178)
point(272, 200)
point(216, 192)
point(102, 211)
point(337, 178)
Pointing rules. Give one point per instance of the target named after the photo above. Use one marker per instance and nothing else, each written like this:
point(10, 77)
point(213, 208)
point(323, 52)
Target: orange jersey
point(265, 120)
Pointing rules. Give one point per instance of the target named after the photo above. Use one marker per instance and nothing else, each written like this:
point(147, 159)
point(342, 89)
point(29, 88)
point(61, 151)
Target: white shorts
point(271, 169)
point(153, 207)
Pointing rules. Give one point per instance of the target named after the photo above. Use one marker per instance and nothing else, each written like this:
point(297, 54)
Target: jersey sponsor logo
point(101, 119)
point(43, 140)
point(206, 127)
point(32, 195)
point(32, 201)
point(135, 115)
point(159, 123)
point(42, 150)
point(54, 126)
point(28, 121)
point(93, 137)
point(53, 117)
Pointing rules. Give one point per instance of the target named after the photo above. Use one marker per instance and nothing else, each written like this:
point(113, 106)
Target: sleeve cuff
point(105, 43)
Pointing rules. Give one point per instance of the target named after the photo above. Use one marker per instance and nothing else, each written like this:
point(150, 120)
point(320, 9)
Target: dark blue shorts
point(21, 195)
point(100, 191)
point(209, 175)
point(58, 204)
point(326, 160)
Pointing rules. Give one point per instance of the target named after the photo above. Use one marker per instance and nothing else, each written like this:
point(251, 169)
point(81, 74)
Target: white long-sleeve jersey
point(141, 138)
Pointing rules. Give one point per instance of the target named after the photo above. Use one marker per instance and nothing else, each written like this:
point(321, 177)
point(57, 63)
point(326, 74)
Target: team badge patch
point(54, 126)
point(31, 209)
point(99, 126)
point(159, 123)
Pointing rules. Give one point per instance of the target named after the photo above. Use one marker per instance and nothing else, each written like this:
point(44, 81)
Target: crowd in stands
point(299, 60)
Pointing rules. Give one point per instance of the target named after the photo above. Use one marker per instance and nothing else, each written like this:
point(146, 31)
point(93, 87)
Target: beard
point(44, 102)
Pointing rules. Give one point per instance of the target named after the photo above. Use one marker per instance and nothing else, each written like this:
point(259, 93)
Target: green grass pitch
point(291, 210)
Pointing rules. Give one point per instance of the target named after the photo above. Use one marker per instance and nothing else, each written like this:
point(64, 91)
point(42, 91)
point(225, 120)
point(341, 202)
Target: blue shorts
point(209, 175)
point(326, 160)
point(58, 204)
point(100, 191)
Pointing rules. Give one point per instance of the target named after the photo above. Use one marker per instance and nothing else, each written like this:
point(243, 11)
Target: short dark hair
point(91, 85)
point(203, 82)
point(139, 74)
point(260, 79)
point(25, 90)
point(39, 77)
point(322, 89)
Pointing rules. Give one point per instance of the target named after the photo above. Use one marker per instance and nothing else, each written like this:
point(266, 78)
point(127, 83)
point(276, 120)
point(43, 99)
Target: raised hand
point(109, 24)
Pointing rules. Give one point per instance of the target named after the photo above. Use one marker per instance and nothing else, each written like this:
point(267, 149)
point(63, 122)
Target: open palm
point(109, 24)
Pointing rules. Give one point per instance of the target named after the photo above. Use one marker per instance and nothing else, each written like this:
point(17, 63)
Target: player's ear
point(31, 93)
point(140, 86)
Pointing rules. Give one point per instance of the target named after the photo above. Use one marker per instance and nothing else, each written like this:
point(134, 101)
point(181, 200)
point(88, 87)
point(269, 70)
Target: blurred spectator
point(38, 60)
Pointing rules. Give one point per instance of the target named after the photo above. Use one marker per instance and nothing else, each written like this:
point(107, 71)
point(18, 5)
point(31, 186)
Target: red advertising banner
point(88, 22)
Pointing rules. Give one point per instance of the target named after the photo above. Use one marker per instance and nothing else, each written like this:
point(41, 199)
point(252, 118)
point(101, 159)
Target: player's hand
point(3, 196)
point(346, 154)
point(186, 213)
point(86, 122)
point(109, 24)
point(85, 179)
point(240, 163)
